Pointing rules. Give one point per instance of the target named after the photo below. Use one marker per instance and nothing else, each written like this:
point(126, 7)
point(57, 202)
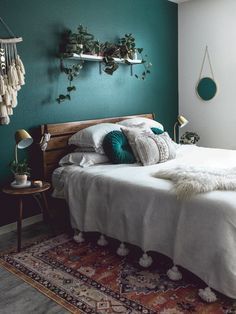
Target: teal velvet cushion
point(117, 148)
point(157, 131)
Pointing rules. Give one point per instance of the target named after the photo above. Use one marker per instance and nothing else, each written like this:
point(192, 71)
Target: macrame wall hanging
point(206, 86)
point(12, 74)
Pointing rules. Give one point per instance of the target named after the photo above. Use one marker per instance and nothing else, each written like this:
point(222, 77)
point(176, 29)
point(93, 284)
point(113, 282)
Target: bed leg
point(174, 273)
point(145, 261)
point(78, 237)
point(122, 250)
point(102, 240)
point(207, 295)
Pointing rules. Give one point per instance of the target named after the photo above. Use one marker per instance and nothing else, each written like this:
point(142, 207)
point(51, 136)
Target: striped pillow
point(151, 149)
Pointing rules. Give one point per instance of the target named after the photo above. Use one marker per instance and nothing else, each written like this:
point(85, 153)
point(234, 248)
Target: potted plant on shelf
point(80, 42)
point(127, 47)
point(84, 42)
point(21, 171)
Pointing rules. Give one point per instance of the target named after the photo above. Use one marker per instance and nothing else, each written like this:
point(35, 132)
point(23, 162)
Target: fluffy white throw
point(189, 181)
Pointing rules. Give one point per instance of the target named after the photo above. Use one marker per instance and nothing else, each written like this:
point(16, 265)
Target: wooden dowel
point(11, 40)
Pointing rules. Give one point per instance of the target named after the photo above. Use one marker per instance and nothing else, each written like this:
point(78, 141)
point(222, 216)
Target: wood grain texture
point(60, 133)
point(26, 191)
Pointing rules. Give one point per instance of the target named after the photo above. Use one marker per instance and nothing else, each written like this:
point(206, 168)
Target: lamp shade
point(23, 139)
point(182, 121)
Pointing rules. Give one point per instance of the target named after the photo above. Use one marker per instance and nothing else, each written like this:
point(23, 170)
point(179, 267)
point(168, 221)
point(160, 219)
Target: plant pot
point(21, 179)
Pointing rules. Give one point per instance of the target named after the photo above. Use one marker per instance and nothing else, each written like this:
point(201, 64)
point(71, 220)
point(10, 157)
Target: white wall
point(211, 22)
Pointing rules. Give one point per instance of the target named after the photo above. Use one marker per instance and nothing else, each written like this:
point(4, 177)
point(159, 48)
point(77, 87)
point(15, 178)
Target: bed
point(129, 203)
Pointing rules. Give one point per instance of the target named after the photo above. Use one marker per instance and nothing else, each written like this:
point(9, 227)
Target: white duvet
point(128, 203)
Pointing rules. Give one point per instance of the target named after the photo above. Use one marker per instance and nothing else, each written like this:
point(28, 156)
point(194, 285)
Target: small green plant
point(79, 42)
point(20, 167)
point(127, 46)
point(189, 138)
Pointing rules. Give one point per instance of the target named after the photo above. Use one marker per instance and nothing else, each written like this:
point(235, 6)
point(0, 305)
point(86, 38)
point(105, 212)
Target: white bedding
point(128, 203)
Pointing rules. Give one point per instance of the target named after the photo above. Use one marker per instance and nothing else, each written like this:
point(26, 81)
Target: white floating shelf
point(85, 57)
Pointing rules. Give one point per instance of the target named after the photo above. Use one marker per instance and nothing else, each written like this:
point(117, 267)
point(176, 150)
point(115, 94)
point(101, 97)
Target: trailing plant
point(72, 73)
point(84, 42)
point(20, 168)
point(147, 65)
point(110, 51)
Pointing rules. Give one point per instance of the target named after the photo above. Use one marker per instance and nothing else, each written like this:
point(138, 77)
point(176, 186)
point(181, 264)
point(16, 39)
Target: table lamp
point(181, 122)
point(23, 140)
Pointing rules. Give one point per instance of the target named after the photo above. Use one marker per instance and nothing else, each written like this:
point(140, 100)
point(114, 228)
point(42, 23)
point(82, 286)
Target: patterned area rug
point(86, 278)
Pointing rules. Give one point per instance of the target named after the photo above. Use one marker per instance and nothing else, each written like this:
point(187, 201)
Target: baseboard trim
point(25, 222)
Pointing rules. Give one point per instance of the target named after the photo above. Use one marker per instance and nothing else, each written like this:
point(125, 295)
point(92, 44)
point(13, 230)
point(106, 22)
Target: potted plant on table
point(21, 171)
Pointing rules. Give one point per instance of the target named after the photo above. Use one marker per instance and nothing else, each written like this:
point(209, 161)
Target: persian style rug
point(86, 278)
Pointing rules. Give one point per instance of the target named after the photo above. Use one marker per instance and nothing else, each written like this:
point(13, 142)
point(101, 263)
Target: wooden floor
point(16, 296)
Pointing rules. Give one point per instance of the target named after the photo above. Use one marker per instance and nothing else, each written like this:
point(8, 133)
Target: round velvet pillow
point(117, 148)
point(157, 131)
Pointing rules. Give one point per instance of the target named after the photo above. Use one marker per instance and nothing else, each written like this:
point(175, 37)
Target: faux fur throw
point(189, 181)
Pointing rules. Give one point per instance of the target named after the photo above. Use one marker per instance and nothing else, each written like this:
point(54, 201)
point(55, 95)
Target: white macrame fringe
point(9, 111)
point(20, 75)
point(122, 250)
point(145, 261)
point(12, 76)
point(3, 110)
point(5, 120)
point(14, 101)
point(207, 295)
point(174, 274)
point(20, 63)
point(78, 238)
point(102, 240)
point(7, 98)
point(2, 86)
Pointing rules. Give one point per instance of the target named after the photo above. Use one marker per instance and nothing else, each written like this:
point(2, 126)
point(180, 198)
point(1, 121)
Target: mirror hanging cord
point(206, 55)
point(12, 74)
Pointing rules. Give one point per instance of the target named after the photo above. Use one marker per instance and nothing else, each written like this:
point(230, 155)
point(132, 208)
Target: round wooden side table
point(20, 193)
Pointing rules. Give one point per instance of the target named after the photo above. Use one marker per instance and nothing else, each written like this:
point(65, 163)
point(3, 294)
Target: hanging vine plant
point(83, 42)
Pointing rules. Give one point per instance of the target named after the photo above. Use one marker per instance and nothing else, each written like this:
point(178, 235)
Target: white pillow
point(131, 134)
point(83, 159)
point(141, 120)
point(151, 149)
point(171, 144)
point(93, 136)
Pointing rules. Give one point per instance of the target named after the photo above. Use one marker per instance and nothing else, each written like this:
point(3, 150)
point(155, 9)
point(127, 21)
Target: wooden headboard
point(60, 133)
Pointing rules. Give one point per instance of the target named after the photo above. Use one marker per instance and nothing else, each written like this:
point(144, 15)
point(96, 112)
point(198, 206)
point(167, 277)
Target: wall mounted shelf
point(100, 58)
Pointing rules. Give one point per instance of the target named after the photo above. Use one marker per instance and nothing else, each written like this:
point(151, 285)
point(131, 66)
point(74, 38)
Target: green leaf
point(71, 88)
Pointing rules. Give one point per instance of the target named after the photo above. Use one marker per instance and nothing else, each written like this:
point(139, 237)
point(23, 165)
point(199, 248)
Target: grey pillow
point(151, 149)
point(132, 133)
point(171, 145)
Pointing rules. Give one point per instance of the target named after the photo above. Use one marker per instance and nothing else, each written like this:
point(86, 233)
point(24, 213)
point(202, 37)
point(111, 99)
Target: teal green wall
point(40, 23)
